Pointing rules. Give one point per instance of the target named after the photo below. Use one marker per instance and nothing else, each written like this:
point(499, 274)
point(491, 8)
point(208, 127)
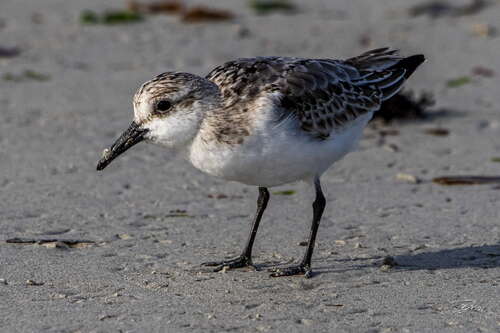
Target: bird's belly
point(271, 160)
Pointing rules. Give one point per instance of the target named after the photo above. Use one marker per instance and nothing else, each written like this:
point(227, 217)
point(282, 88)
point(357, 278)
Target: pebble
point(307, 322)
point(418, 247)
point(407, 178)
point(34, 283)
point(385, 268)
point(124, 236)
point(60, 245)
point(391, 147)
point(483, 30)
point(242, 32)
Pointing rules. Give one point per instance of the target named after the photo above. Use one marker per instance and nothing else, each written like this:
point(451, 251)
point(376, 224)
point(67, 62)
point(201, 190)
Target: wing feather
point(322, 94)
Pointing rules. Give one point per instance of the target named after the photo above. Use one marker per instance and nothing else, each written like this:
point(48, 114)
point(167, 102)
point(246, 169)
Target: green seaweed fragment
point(460, 81)
point(28, 74)
point(110, 17)
point(89, 17)
point(267, 6)
point(10, 77)
point(35, 76)
point(121, 16)
point(285, 192)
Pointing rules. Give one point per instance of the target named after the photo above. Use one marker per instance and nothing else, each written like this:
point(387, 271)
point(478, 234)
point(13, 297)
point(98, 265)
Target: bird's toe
point(238, 262)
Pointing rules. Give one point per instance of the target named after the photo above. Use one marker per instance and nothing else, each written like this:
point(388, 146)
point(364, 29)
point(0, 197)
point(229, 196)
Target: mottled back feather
point(324, 95)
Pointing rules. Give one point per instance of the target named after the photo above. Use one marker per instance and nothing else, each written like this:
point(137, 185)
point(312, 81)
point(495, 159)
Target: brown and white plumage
point(266, 121)
point(271, 112)
point(322, 94)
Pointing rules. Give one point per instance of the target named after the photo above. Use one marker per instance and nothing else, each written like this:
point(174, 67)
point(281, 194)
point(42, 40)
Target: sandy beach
point(120, 250)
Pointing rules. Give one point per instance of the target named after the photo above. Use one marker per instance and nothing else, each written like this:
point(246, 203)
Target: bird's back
point(323, 95)
point(291, 118)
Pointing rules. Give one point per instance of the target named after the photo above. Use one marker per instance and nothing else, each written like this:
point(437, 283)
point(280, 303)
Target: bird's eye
point(163, 106)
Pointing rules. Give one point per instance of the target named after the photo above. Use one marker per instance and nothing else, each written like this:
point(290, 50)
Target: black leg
point(305, 266)
point(245, 259)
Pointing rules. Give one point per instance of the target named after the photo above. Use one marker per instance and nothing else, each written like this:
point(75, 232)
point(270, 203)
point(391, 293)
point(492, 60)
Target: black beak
point(132, 136)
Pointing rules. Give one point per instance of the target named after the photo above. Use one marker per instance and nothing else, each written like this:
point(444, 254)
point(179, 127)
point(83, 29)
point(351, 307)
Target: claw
point(238, 262)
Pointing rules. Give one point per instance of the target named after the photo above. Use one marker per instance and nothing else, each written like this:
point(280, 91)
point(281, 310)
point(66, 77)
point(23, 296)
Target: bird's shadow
point(484, 256)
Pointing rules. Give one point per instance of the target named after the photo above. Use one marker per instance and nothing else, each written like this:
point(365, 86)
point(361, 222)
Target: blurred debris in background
point(484, 30)
point(110, 17)
point(365, 40)
point(269, 6)
point(436, 9)
point(136, 10)
point(159, 7)
point(404, 106)
point(9, 52)
point(27, 75)
point(483, 71)
point(204, 14)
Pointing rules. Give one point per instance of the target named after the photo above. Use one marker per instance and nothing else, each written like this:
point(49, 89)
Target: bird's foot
point(238, 262)
point(300, 269)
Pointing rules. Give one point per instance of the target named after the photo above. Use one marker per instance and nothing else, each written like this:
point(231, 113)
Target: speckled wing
point(322, 94)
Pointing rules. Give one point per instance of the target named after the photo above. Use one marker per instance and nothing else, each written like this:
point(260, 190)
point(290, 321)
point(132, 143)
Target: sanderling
point(266, 121)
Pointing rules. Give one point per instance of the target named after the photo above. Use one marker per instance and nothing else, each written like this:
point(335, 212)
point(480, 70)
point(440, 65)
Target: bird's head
point(168, 110)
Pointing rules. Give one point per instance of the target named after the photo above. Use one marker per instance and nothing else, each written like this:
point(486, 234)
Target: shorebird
point(266, 121)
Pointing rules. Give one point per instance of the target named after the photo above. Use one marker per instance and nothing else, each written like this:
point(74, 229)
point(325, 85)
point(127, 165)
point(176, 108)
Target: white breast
point(275, 155)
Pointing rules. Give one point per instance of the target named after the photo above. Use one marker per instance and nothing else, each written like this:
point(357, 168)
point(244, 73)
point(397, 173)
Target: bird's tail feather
point(401, 71)
point(385, 69)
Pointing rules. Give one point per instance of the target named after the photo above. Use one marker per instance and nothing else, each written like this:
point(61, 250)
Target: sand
point(152, 218)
